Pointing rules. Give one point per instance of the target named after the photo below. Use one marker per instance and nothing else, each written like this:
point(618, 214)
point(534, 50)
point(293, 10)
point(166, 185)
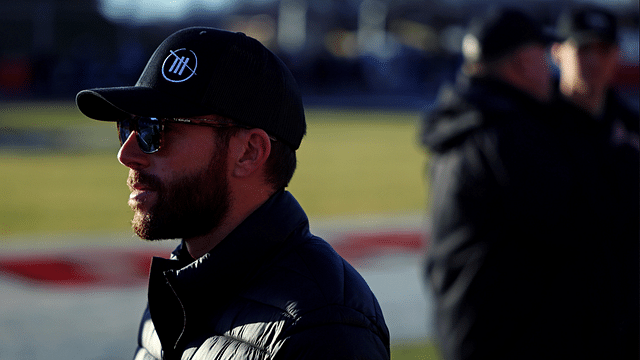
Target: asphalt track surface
point(81, 296)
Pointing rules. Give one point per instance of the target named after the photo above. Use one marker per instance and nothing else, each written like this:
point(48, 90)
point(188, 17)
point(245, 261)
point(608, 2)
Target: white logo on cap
point(180, 65)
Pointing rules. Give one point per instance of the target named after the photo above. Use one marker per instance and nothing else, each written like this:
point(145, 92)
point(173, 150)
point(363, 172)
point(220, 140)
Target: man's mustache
point(149, 181)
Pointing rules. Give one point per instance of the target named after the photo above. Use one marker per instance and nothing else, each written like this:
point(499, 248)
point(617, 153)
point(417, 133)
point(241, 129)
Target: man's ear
point(252, 148)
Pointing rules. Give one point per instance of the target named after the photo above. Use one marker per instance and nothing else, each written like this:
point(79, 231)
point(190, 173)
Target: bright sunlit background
point(72, 276)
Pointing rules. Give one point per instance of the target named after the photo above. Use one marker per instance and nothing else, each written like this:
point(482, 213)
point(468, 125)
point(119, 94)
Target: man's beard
point(186, 207)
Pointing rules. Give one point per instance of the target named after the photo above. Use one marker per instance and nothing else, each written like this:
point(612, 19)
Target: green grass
point(415, 351)
point(41, 115)
point(359, 163)
point(350, 162)
point(63, 192)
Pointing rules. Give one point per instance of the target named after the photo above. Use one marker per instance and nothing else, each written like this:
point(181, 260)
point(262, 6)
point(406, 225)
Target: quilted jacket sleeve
point(334, 341)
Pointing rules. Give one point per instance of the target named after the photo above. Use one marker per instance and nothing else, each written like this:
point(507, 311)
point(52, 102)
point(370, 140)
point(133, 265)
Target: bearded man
point(209, 133)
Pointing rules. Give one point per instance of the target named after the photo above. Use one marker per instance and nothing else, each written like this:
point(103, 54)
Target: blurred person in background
point(209, 133)
point(522, 258)
point(588, 59)
point(606, 143)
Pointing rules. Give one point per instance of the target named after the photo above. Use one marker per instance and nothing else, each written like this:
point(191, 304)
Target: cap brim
point(112, 104)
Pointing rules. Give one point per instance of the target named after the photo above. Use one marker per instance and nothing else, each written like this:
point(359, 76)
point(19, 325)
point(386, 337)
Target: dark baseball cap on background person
point(500, 31)
point(204, 71)
point(587, 24)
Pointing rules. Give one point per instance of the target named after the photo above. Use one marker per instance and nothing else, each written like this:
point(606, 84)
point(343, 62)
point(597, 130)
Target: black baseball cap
point(500, 31)
point(203, 71)
point(588, 24)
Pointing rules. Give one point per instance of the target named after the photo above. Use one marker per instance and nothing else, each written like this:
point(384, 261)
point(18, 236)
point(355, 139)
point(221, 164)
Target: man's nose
point(130, 154)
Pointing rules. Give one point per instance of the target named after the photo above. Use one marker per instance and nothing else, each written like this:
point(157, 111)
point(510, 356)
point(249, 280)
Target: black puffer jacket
point(534, 252)
point(270, 290)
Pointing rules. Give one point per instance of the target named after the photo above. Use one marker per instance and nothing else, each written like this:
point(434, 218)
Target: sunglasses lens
point(149, 134)
point(124, 130)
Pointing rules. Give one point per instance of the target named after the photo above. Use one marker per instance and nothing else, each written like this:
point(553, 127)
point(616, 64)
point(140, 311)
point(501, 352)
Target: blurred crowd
point(52, 49)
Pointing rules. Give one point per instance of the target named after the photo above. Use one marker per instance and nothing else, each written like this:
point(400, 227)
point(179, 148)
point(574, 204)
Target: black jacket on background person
point(270, 290)
point(534, 251)
point(618, 123)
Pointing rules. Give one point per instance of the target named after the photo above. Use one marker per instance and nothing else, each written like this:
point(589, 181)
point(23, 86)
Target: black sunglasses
point(149, 130)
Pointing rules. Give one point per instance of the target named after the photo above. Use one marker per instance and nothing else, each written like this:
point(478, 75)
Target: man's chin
point(141, 226)
point(145, 235)
point(148, 228)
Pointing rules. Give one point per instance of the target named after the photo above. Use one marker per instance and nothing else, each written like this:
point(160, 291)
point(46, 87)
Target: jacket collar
point(469, 104)
point(246, 248)
point(493, 94)
point(181, 283)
